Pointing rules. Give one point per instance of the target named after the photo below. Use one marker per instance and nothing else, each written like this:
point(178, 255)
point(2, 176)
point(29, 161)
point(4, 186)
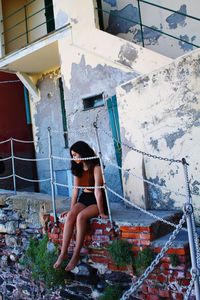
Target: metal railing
point(24, 21)
point(139, 21)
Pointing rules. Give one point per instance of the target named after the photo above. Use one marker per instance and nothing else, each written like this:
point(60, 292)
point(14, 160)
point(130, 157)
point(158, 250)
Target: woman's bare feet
point(72, 263)
point(59, 261)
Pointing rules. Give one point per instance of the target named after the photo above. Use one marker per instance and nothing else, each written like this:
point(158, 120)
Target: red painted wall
point(12, 113)
point(13, 124)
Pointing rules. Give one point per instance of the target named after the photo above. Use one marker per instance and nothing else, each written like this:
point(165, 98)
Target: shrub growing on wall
point(143, 260)
point(120, 251)
point(40, 261)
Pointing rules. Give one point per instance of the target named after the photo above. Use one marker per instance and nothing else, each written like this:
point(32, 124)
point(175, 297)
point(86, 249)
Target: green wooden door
point(114, 123)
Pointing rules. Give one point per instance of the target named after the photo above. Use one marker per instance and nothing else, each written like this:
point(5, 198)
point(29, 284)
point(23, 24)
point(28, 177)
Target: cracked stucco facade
point(91, 62)
point(159, 114)
point(121, 14)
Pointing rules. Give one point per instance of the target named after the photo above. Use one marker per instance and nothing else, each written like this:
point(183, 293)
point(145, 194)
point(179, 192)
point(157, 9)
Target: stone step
point(138, 225)
point(180, 245)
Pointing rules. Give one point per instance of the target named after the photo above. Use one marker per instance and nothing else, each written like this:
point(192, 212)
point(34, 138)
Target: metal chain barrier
point(188, 213)
point(144, 276)
point(80, 187)
point(194, 247)
point(69, 158)
point(5, 158)
point(142, 209)
point(30, 159)
point(145, 180)
point(5, 141)
point(6, 177)
point(171, 160)
point(22, 141)
point(32, 180)
point(190, 286)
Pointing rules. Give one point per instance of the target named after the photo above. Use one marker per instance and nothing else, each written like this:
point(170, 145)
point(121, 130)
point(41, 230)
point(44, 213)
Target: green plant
point(143, 260)
point(174, 260)
point(111, 292)
point(120, 251)
point(40, 261)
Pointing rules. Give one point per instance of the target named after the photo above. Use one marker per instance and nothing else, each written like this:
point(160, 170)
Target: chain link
point(32, 180)
point(144, 276)
point(171, 160)
point(190, 286)
point(69, 158)
point(145, 180)
point(80, 187)
point(143, 210)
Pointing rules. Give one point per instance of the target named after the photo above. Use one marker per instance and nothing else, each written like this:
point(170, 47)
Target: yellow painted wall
point(19, 33)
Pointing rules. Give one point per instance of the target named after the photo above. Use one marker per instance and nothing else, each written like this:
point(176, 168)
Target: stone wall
point(166, 280)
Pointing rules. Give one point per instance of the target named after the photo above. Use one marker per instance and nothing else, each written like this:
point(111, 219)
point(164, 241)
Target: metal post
point(191, 228)
point(26, 24)
point(102, 169)
point(52, 175)
point(13, 165)
point(141, 27)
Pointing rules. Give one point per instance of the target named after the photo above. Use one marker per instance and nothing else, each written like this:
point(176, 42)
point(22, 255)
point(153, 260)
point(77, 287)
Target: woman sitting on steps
point(90, 203)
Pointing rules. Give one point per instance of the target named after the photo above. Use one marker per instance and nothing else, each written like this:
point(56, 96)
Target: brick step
point(180, 246)
point(137, 225)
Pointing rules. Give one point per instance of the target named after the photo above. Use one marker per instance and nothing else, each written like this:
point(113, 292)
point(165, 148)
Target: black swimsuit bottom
point(87, 198)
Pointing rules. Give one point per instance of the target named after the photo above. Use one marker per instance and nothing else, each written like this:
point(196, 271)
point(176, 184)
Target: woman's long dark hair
point(84, 150)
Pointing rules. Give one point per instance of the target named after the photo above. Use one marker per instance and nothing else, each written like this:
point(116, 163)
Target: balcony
point(170, 29)
point(25, 22)
point(29, 37)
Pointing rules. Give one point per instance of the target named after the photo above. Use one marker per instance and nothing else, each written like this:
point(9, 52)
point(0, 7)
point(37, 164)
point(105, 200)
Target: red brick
point(101, 238)
point(144, 288)
point(161, 278)
point(178, 251)
point(185, 282)
point(113, 267)
point(53, 236)
point(176, 296)
point(164, 293)
point(152, 297)
point(99, 259)
point(99, 252)
point(135, 229)
point(165, 265)
point(84, 251)
point(153, 290)
point(131, 235)
point(98, 231)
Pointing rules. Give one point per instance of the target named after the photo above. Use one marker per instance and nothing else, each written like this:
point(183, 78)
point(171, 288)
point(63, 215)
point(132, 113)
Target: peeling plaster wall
point(85, 36)
point(159, 114)
point(47, 113)
point(92, 62)
point(154, 17)
point(89, 75)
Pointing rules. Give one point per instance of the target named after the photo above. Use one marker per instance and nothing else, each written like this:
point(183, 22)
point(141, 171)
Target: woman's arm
point(74, 197)
point(74, 192)
point(98, 179)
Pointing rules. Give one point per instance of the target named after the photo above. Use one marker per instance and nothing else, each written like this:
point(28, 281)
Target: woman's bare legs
point(68, 231)
point(81, 226)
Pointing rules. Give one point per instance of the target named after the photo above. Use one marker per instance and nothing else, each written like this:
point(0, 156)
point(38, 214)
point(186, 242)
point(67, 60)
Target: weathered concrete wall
point(85, 36)
point(89, 76)
point(159, 113)
point(92, 62)
point(47, 113)
point(167, 21)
